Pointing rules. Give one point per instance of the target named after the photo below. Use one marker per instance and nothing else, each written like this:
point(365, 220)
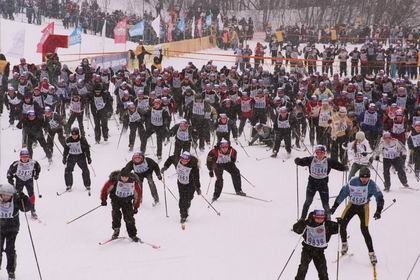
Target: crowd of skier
point(355, 120)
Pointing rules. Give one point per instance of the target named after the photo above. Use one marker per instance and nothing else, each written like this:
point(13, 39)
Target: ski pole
point(217, 212)
point(376, 174)
point(414, 265)
point(93, 170)
point(248, 181)
point(412, 169)
point(37, 188)
point(287, 262)
point(119, 139)
point(164, 184)
point(297, 192)
point(208, 186)
point(374, 169)
point(32, 240)
point(166, 202)
point(243, 148)
point(338, 247)
point(116, 121)
point(389, 206)
point(75, 219)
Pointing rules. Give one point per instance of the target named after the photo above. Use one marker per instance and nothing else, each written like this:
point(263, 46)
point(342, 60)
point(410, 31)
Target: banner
point(17, 48)
point(52, 42)
point(181, 24)
point(120, 32)
point(49, 29)
point(137, 30)
point(75, 37)
point(156, 26)
point(114, 61)
point(208, 20)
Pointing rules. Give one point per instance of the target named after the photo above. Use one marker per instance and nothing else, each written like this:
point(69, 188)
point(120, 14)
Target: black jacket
point(20, 203)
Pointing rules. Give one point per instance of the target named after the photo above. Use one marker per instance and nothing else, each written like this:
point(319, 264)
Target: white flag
point(104, 30)
point(156, 26)
point(193, 27)
point(219, 22)
point(17, 48)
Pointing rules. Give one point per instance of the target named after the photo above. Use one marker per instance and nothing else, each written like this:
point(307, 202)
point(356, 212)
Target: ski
point(149, 244)
point(410, 188)
point(61, 193)
point(183, 226)
point(110, 240)
point(264, 158)
point(249, 196)
point(374, 271)
point(343, 256)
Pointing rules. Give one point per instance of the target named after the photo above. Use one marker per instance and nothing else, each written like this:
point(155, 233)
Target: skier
point(25, 170)
point(77, 108)
point(188, 180)
point(224, 127)
point(317, 233)
point(219, 159)
point(134, 120)
point(10, 205)
point(183, 137)
point(359, 152)
point(393, 153)
point(101, 108)
point(359, 190)
point(124, 189)
point(283, 124)
point(144, 167)
point(414, 146)
point(319, 168)
point(53, 124)
point(76, 151)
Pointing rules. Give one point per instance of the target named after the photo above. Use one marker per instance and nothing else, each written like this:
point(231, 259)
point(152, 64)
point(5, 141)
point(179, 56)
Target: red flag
point(52, 42)
point(49, 29)
point(120, 32)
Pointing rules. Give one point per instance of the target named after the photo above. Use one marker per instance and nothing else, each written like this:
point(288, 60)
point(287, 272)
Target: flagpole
point(80, 47)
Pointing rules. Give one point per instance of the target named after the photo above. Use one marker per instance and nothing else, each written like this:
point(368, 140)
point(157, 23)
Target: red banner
point(49, 29)
point(120, 32)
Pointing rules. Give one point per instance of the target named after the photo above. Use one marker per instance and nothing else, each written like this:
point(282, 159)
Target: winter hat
point(223, 142)
point(75, 130)
point(319, 213)
point(386, 134)
point(124, 172)
point(7, 189)
point(343, 110)
point(417, 123)
point(186, 155)
point(364, 172)
point(137, 155)
point(360, 135)
point(24, 152)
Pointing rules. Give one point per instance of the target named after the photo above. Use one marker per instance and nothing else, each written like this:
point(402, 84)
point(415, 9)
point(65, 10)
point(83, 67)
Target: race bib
point(134, 117)
point(75, 148)
point(99, 102)
point(75, 107)
point(198, 109)
point(358, 194)
point(416, 140)
point(319, 169)
point(182, 135)
point(6, 209)
point(124, 189)
point(222, 158)
point(316, 236)
point(370, 119)
point(141, 168)
point(183, 173)
point(222, 128)
point(398, 128)
point(156, 117)
point(390, 152)
point(25, 170)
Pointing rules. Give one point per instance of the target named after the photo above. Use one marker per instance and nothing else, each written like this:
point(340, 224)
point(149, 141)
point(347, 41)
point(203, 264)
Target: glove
point(211, 174)
point(249, 144)
point(104, 203)
point(333, 208)
point(89, 160)
point(159, 177)
point(163, 170)
point(346, 168)
point(198, 191)
point(135, 210)
point(371, 160)
point(377, 215)
point(377, 158)
point(297, 160)
point(64, 160)
point(36, 177)
point(11, 182)
point(19, 125)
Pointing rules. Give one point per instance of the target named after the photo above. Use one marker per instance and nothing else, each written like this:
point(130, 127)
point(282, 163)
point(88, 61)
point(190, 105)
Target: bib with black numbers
point(246, 105)
point(75, 148)
point(253, 93)
point(319, 169)
point(416, 140)
point(358, 194)
point(183, 173)
point(121, 92)
point(182, 135)
point(143, 104)
point(222, 158)
point(360, 149)
point(415, 119)
point(234, 97)
point(14, 101)
point(134, 117)
point(38, 99)
point(27, 107)
point(188, 99)
point(21, 89)
point(124, 189)
point(25, 170)
point(401, 101)
point(80, 77)
point(176, 82)
point(211, 98)
point(283, 123)
point(158, 91)
point(105, 79)
point(6, 209)
point(324, 117)
point(398, 128)
point(99, 102)
point(76, 106)
point(198, 108)
point(49, 100)
point(370, 118)
point(260, 103)
point(359, 107)
point(141, 168)
point(53, 124)
point(391, 152)
point(222, 128)
point(316, 236)
point(341, 126)
point(156, 117)
point(83, 91)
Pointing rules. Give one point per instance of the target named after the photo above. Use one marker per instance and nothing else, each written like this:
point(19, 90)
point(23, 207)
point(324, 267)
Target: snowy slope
point(250, 240)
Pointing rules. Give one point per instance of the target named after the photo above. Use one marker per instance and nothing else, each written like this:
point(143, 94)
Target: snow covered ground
point(250, 240)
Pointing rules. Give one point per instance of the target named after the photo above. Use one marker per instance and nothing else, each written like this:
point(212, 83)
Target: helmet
point(364, 172)
point(7, 189)
point(75, 130)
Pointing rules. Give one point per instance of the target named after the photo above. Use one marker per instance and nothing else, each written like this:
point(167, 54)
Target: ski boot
point(116, 233)
point(156, 203)
point(12, 276)
point(387, 188)
point(68, 188)
point(130, 148)
point(241, 193)
point(344, 248)
point(33, 214)
point(274, 155)
point(373, 259)
point(406, 185)
point(135, 238)
point(183, 220)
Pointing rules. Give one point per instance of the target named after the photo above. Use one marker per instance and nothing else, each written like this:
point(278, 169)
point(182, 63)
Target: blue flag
point(181, 24)
point(76, 36)
point(208, 20)
point(137, 30)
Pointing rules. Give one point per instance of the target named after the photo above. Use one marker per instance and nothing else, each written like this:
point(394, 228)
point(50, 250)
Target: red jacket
point(111, 186)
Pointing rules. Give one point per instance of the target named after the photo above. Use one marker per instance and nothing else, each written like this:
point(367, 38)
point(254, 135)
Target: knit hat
point(360, 135)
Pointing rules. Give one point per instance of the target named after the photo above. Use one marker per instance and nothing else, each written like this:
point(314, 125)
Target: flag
point(208, 20)
point(120, 32)
point(200, 27)
point(76, 36)
point(170, 28)
point(17, 48)
point(193, 27)
point(49, 29)
point(156, 26)
point(181, 24)
point(219, 22)
point(103, 33)
point(137, 30)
